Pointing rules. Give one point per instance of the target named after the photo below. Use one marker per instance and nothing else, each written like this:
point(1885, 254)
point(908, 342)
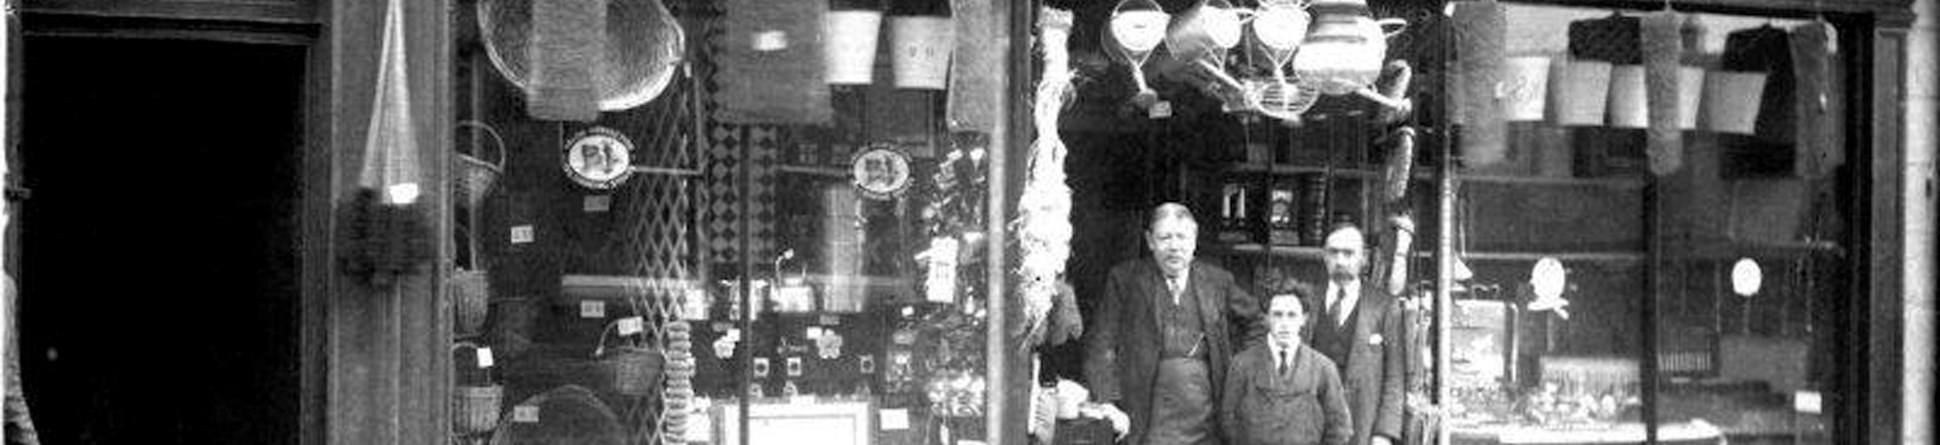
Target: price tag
point(813, 332)
point(894, 419)
point(1160, 110)
point(769, 41)
point(521, 234)
point(592, 309)
point(525, 414)
point(830, 320)
point(596, 203)
point(631, 325)
point(484, 357)
point(1806, 402)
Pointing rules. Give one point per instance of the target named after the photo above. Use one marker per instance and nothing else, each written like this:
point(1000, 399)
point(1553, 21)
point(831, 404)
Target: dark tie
point(1334, 305)
point(1284, 362)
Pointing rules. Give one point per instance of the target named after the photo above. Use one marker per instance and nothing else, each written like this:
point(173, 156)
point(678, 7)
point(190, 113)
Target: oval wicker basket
point(636, 370)
point(471, 292)
point(476, 176)
point(475, 405)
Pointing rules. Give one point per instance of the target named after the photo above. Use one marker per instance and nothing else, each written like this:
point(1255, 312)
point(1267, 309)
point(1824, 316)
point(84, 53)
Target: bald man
point(1164, 331)
point(1358, 326)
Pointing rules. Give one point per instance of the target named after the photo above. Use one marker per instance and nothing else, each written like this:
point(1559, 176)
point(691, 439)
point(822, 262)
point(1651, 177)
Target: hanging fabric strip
point(977, 67)
point(1479, 42)
point(1815, 59)
point(1662, 50)
point(772, 63)
point(568, 43)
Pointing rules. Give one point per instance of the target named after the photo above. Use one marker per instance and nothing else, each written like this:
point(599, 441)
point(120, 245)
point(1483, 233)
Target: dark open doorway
point(159, 251)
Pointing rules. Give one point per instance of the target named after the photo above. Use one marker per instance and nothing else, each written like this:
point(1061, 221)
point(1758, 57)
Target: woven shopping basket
point(470, 295)
point(636, 370)
point(476, 175)
point(475, 405)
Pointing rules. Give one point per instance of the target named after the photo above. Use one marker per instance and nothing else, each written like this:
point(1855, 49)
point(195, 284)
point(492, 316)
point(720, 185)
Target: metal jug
point(1344, 47)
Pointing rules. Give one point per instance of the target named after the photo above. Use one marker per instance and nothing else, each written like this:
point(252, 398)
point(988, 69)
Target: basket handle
point(475, 347)
point(497, 141)
point(599, 348)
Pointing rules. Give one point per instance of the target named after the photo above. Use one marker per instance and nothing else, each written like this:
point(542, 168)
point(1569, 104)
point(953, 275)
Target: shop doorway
point(159, 252)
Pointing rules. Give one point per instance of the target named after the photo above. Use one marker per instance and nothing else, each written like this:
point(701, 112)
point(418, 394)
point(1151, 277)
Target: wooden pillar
point(387, 359)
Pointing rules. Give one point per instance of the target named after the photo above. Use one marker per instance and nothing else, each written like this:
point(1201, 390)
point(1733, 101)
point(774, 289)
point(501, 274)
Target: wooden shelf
point(1421, 174)
point(1559, 256)
point(1622, 182)
point(1296, 169)
point(1724, 248)
point(816, 170)
point(1303, 252)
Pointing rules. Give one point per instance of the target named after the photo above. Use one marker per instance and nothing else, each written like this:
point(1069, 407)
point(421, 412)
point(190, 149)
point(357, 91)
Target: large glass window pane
point(1635, 278)
point(770, 228)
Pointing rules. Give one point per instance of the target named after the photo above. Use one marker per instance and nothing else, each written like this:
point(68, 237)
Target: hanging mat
point(771, 63)
point(635, 61)
point(389, 231)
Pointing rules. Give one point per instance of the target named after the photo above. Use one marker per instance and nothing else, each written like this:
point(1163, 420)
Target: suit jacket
point(1307, 407)
point(1122, 351)
point(1374, 369)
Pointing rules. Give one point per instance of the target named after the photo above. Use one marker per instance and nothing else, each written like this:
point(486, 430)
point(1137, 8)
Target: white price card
point(521, 234)
point(592, 309)
point(894, 419)
point(597, 203)
point(813, 332)
point(631, 325)
point(769, 41)
point(485, 357)
point(1806, 402)
point(525, 414)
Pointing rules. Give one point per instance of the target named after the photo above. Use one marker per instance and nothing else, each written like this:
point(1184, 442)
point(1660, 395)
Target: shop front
point(937, 221)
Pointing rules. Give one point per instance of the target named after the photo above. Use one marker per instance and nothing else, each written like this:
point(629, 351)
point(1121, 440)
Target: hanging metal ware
point(644, 44)
point(1344, 49)
point(1135, 30)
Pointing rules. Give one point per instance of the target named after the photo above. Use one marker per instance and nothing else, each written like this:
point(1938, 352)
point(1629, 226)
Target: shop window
point(765, 225)
point(1673, 178)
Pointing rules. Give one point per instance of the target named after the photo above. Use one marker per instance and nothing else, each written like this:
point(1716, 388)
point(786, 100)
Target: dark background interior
point(159, 299)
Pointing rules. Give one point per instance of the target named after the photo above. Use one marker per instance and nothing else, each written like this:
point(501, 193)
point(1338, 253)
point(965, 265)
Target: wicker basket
point(475, 175)
point(475, 405)
point(636, 370)
point(470, 295)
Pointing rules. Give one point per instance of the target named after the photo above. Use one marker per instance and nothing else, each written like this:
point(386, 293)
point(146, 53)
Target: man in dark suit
point(1359, 328)
point(1163, 333)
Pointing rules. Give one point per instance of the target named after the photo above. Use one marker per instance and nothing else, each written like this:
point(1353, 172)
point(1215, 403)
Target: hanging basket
point(476, 176)
point(636, 370)
point(475, 406)
point(470, 294)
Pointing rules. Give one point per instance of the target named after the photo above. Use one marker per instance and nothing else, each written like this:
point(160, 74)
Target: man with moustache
point(1359, 328)
point(1165, 330)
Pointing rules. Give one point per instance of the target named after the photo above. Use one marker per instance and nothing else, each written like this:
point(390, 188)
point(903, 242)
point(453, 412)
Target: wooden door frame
point(365, 381)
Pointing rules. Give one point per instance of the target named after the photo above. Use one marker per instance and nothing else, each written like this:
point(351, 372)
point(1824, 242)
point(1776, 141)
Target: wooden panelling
point(279, 11)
